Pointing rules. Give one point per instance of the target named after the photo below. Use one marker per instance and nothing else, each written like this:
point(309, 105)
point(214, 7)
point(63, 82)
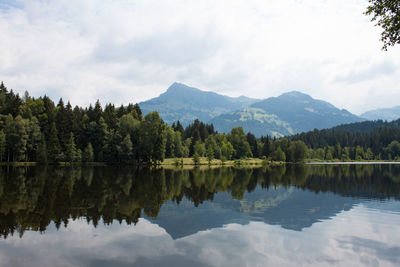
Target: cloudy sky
point(124, 51)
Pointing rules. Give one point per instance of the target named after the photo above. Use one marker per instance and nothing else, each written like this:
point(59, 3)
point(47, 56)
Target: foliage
point(38, 130)
point(239, 143)
point(386, 13)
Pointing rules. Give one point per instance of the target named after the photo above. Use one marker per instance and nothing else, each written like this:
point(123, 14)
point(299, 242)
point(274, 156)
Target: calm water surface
point(313, 215)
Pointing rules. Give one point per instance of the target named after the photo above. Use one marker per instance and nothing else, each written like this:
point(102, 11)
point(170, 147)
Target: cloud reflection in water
point(361, 235)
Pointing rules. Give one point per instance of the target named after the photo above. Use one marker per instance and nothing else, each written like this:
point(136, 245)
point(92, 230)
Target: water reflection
point(293, 196)
point(283, 216)
point(349, 239)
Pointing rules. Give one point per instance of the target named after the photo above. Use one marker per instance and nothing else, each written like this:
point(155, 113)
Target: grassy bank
point(203, 161)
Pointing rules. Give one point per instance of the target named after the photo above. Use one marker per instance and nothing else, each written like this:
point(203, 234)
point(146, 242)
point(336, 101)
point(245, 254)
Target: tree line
point(38, 130)
point(374, 140)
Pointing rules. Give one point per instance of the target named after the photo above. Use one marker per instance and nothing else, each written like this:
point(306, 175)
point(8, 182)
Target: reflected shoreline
point(33, 197)
point(354, 163)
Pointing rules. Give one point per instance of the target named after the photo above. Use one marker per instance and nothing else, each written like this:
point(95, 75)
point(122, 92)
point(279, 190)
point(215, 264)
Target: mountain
point(386, 114)
point(184, 103)
point(287, 114)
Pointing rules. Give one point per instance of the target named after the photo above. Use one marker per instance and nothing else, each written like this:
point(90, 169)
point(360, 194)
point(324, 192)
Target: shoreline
point(352, 162)
point(188, 163)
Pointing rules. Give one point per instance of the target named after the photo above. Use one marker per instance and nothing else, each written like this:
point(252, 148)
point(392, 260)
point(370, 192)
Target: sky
point(123, 51)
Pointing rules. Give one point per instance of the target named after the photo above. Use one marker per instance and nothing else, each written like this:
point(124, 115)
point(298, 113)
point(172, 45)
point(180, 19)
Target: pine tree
point(178, 146)
point(41, 154)
point(64, 123)
point(97, 112)
point(110, 116)
point(138, 111)
point(251, 139)
point(70, 149)
point(54, 150)
point(179, 128)
point(3, 144)
point(34, 139)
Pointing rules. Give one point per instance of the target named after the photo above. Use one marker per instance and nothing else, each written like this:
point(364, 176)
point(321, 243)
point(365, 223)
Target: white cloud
point(358, 236)
point(128, 51)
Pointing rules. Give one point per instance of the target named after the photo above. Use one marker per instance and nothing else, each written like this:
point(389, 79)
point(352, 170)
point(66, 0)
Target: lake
point(309, 215)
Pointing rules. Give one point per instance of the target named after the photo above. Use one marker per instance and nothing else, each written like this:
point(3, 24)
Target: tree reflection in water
point(33, 197)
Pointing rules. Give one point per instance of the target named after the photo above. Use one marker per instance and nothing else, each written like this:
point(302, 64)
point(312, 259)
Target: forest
point(369, 140)
point(38, 130)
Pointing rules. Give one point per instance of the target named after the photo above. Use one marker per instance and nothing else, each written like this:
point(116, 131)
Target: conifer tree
point(41, 154)
point(34, 138)
point(54, 150)
point(2, 143)
point(70, 149)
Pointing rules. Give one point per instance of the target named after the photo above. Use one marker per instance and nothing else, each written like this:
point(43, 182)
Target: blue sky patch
point(7, 4)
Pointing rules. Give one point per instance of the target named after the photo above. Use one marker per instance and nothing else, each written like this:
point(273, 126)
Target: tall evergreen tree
point(41, 154)
point(54, 150)
point(34, 139)
point(3, 144)
point(71, 152)
point(252, 140)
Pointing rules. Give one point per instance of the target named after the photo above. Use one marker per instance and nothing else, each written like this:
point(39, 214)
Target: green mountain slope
point(290, 113)
point(184, 103)
point(255, 120)
point(386, 114)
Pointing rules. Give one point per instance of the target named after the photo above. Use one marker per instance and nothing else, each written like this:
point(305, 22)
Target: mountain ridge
point(289, 113)
point(387, 114)
point(185, 103)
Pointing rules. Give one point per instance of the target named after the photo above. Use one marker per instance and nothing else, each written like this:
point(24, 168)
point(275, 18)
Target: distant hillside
point(374, 135)
point(184, 103)
point(366, 126)
point(290, 113)
point(388, 114)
